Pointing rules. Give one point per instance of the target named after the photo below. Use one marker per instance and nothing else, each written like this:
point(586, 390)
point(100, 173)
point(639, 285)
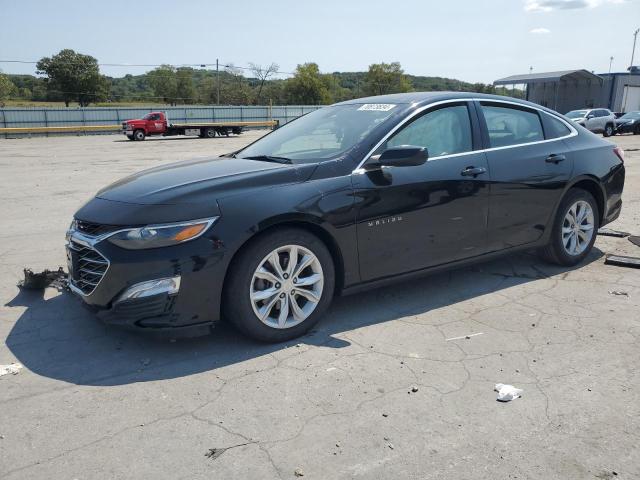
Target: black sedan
point(628, 123)
point(346, 198)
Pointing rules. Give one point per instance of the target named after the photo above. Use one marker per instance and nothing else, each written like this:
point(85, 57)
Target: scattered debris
point(12, 368)
point(414, 389)
point(214, 453)
point(390, 445)
point(40, 281)
point(506, 393)
point(385, 415)
point(608, 232)
point(619, 293)
point(466, 337)
point(298, 472)
point(635, 240)
point(622, 261)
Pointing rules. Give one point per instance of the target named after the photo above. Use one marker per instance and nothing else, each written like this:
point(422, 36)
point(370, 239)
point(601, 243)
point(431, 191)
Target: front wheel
point(280, 286)
point(608, 130)
point(139, 135)
point(574, 229)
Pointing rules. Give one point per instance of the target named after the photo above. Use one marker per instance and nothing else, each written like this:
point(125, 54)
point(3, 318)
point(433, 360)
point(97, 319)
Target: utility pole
point(217, 83)
point(610, 62)
point(530, 70)
point(633, 53)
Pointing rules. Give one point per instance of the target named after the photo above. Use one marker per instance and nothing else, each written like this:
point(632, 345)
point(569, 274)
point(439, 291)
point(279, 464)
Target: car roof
point(425, 98)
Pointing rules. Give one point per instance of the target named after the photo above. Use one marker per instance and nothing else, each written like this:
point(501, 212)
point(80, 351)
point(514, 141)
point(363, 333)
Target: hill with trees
point(71, 77)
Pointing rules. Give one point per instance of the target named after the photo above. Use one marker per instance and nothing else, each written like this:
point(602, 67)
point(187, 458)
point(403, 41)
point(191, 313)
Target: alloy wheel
point(577, 228)
point(286, 287)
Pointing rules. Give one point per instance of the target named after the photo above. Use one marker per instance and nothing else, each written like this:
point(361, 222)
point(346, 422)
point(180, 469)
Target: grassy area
point(29, 103)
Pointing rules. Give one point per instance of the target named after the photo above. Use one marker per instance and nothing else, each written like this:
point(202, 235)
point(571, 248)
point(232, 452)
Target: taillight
point(620, 153)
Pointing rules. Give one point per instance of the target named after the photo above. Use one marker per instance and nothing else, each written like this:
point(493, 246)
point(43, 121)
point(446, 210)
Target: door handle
point(473, 171)
point(553, 158)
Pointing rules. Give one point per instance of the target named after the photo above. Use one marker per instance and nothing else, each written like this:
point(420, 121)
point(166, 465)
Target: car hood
point(202, 180)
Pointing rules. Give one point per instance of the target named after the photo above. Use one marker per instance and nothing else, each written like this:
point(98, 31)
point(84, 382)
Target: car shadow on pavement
point(56, 337)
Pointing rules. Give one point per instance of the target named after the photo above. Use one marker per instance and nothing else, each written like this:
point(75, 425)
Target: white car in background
point(597, 120)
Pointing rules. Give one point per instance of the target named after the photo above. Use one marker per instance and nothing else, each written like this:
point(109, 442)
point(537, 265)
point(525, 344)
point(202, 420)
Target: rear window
point(511, 126)
point(554, 128)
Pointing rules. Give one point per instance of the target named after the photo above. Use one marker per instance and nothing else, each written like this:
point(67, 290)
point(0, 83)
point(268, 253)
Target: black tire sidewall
point(559, 252)
point(236, 303)
point(139, 135)
point(605, 133)
point(210, 133)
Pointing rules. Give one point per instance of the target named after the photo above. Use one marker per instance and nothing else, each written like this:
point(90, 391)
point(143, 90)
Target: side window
point(511, 126)
point(444, 131)
point(554, 128)
point(155, 117)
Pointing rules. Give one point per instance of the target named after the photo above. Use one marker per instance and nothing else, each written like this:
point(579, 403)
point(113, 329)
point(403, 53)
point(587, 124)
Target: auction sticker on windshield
point(377, 107)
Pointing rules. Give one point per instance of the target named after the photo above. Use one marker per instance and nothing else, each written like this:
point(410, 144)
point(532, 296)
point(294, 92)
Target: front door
point(409, 218)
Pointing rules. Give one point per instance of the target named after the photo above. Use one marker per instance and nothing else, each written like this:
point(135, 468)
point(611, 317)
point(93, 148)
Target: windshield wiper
point(269, 158)
point(232, 155)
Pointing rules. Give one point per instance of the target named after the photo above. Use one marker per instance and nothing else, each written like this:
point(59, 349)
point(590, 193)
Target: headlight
point(155, 236)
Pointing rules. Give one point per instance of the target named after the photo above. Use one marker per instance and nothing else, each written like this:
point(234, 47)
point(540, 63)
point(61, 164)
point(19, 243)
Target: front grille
point(95, 229)
point(86, 267)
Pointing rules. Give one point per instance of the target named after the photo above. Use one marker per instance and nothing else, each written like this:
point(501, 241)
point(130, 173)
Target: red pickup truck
point(157, 123)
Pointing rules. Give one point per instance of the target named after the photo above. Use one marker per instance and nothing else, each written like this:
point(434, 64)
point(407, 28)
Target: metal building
point(574, 89)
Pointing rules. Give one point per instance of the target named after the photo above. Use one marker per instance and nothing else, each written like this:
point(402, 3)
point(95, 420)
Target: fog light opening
point(170, 286)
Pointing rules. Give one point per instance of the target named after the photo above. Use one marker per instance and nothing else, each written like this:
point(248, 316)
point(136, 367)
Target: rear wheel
point(574, 229)
point(139, 135)
point(608, 130)
point(280, 286)
point(210, 132)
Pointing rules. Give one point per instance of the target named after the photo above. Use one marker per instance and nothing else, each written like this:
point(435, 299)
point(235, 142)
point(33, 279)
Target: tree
point(234, 88)
point(164, 83)
point(262, 74)
point(74, 76)
point(307, 86)
point(7, 88)
point(383, 78)
point(185, 92)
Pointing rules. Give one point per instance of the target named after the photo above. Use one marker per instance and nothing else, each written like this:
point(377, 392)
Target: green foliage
point(164, 83)
point(74, 76)
point(7, 88)
point(185, 91)
point(308, 86)
point(200, 86)
point(383, 78)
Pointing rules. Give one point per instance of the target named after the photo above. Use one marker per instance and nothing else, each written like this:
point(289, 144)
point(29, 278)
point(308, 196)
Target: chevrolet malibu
point(349, 197)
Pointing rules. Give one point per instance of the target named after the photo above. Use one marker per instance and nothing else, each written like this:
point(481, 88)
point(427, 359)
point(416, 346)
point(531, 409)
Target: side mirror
point(402, 156)
point(590, 116)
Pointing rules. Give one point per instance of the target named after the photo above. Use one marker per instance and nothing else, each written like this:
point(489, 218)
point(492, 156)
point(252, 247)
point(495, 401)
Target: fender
point(574, 181)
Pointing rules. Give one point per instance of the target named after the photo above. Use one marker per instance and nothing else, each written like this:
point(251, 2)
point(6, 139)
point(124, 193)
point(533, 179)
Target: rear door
point(409, 218)
point(530, 166)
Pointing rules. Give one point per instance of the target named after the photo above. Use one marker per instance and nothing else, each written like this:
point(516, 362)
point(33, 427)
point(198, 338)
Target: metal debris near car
point(622, 261)
point(608, 232)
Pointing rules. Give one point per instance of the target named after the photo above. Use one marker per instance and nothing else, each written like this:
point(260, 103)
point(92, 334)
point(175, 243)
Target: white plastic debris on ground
point(13, 369)
point(506, 393)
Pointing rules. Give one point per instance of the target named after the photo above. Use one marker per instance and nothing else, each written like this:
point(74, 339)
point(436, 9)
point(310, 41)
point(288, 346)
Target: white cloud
point(540, 31)
point(551, 5)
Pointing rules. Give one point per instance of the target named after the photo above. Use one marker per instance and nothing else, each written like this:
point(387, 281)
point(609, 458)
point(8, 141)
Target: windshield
point(320, 135)
point(576, 113)
point(630, 116)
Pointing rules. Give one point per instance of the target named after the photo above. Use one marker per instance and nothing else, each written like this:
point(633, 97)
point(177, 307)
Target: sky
point(471, 40)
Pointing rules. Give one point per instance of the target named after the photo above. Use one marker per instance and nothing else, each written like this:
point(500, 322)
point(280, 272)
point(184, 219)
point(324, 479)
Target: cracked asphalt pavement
point(387, 386)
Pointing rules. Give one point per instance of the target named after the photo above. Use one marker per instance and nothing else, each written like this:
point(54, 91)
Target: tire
point(242, 310)
point(636, 131)
point(556, 251)
point(608, 130)
point(209, 132)
point(139, 135)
